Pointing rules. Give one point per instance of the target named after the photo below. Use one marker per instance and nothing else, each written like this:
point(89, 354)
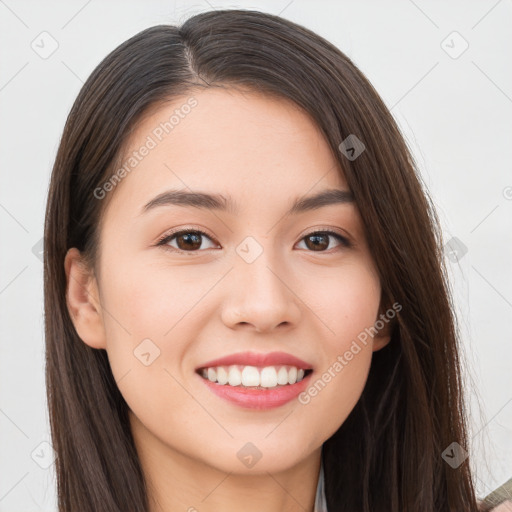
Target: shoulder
point(505, 506)
point(500, 499)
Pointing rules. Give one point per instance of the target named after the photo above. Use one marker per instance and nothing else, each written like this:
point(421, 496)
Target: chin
point(258, 457)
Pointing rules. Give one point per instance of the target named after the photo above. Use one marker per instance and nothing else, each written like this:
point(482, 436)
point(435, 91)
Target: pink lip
point(252, 398)
point(254, 359)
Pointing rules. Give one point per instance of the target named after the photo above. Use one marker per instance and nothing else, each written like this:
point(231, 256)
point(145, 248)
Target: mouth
point(256, 387)
point(254, 377)
point(257, 381)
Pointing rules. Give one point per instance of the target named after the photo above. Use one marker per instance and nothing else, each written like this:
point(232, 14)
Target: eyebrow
point(218, 202)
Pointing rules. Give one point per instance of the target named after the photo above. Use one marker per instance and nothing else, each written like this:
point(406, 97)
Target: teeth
point(222, 375)
point(292, 375)
point(235, 377)
point(252, 376)
point(268, 377)
point(282, 376)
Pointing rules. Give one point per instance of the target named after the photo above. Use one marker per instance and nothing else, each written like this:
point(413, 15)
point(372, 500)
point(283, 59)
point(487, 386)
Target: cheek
point(150, 319)
point(140, 312)
point(345, 301)
point(153, 301)
point(334, 392)
point(347, 305)
point(148, 332)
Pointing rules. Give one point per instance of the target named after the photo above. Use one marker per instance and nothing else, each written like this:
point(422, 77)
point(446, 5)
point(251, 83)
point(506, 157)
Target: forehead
point(239, 143)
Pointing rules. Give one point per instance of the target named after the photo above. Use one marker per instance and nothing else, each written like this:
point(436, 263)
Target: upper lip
point(255, 359)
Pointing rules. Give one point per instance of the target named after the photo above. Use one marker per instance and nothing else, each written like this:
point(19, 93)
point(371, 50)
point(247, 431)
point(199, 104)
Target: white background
point(454, 112)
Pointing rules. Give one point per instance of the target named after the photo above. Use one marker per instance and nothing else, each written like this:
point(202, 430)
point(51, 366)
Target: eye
point(318, 241)
point(188, 240)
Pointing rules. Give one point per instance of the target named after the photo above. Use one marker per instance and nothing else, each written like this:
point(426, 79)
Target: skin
point(506, 506)
point(264, 153)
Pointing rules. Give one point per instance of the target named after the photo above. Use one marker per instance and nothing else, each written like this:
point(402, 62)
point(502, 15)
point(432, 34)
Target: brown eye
point(189, 241)
point(186, 240)
point(319, 241)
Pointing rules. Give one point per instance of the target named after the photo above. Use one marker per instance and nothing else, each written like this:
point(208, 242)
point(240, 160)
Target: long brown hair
point(387, 455)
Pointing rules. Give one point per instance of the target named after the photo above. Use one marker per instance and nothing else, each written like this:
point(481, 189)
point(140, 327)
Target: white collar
point(320, 502)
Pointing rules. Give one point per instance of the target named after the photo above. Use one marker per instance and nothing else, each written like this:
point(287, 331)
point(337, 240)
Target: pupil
point(193, 240)
point(317, 241)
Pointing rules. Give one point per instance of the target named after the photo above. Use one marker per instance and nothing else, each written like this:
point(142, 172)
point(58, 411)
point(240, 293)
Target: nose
point(260, 296)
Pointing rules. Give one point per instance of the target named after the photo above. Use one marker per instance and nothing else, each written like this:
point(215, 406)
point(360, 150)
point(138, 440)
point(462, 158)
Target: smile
point(253, 376)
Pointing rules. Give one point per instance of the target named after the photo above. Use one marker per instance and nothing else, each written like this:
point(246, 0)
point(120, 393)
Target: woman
point(245, 296)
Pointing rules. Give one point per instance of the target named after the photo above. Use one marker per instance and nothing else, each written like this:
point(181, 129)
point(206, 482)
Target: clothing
point(503, 495)
point(320, 502)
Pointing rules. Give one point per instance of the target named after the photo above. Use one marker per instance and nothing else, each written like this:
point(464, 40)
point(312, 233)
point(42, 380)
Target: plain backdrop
point(441, 67)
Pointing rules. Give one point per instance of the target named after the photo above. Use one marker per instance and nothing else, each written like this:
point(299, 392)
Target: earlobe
point(380, 341)
point(383, 335)
point(82, 298)
point(384, 324)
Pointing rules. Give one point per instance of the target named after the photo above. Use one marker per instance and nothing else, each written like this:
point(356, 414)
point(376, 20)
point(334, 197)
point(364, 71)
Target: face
point(180, 285)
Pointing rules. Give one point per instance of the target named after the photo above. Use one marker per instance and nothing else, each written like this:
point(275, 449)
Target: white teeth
point(252, 376)
point(268, 377)
point(282, 376)
point(292, 375)
point(222, 375)
point(235, 377)
point(212, 375)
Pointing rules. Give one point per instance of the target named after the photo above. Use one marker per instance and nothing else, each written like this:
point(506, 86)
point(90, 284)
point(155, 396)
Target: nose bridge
point(260, 294)
point(261, 277)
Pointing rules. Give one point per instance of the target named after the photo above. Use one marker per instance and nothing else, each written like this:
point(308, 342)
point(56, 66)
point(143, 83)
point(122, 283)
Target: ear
point(383, 335)
point(380, 340)
point(82, 299)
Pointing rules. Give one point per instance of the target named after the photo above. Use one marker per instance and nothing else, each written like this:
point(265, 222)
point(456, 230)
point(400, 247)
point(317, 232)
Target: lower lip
point(258, 398)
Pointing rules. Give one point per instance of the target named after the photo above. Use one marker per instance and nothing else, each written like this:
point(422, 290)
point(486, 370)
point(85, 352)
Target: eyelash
point(165, 239)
